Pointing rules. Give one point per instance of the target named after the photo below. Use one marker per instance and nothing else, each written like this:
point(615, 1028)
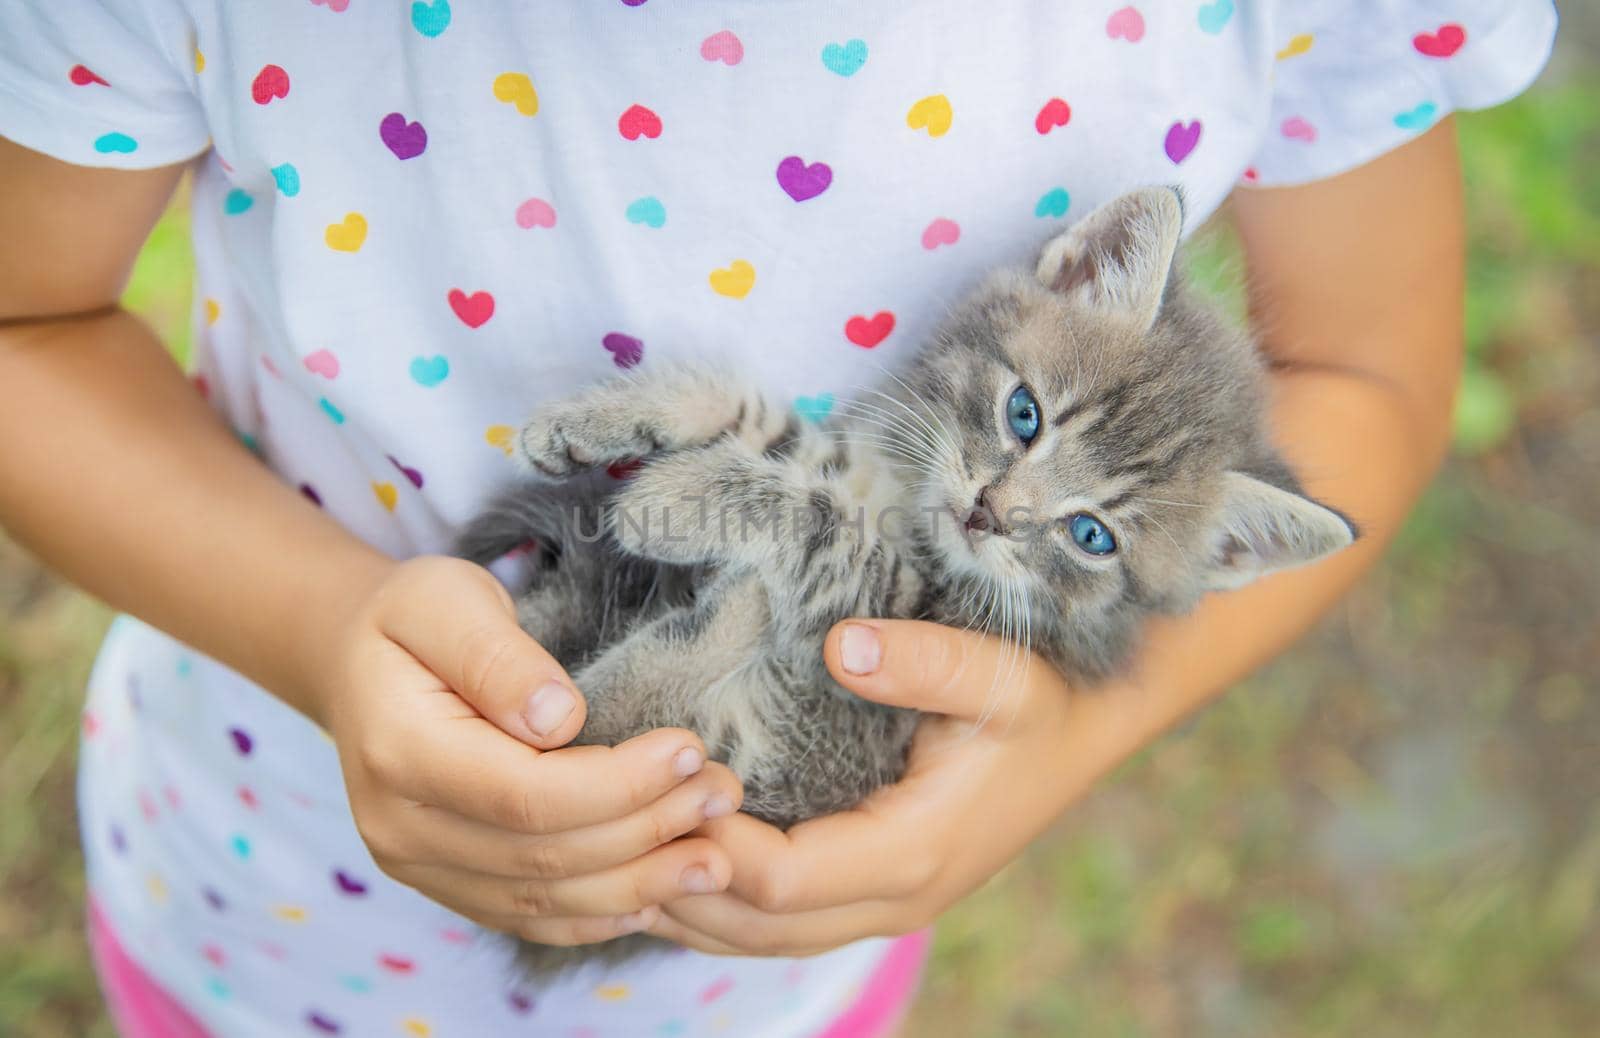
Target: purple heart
point(801, 181)
point(1181, 140)
point(119, 842)
point(242, 741)
point(410, 473)
point(311, 494)
point(214, 899)
point(624, 349)
point(348, 884)
point(520, 1003)
point(322, 1023)
point(633, 3)
point(406, 140)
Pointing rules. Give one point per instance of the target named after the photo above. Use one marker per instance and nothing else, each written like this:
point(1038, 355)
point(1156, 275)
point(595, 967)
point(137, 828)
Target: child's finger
point(472, 768)
point(459, 622)
point(930, 667)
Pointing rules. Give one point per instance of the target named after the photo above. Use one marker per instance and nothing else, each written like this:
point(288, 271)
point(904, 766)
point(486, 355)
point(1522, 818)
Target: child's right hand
point(447, 716)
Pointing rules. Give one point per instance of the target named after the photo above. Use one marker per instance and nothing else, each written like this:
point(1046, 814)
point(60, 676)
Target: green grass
point(1392, 831)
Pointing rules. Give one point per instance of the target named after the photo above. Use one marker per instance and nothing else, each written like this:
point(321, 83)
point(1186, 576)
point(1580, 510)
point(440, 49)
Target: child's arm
point(117, 475)
point(1357, 290)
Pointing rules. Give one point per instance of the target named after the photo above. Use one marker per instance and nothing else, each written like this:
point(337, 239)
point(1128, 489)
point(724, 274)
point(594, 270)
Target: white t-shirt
point(415, 221)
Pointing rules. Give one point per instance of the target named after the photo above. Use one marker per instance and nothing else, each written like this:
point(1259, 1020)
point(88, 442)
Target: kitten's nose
point(984, 516)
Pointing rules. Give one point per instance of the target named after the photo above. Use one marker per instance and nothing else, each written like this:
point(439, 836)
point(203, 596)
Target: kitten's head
point(1093, 440)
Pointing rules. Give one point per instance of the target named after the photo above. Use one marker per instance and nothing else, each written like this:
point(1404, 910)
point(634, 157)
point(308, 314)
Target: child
point(414, 222)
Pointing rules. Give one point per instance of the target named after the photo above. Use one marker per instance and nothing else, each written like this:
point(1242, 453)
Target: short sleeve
point(100, 82)
point(1356, 78)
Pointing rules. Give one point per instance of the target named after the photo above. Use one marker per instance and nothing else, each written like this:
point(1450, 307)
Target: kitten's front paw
point(568, 436)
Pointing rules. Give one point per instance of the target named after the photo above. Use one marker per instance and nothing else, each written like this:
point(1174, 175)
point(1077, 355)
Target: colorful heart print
point(802, 182)
point(722, 46)
point(322, 1023)
point(271, 83)
point(1053, 204)
point(473, 309)
point(115, 143)
point(1418, 118)
point(814, 408)
point(1296, 128)
point(428, 372)
point(1442, 43)
point(933, 113)
point(413, 476)
point(241, 741)
point(940, 232)
point(647, 210)
point(347, 884)
point(386, 494)
point(1126, 24)
point(348, 235)
point(735, 280)
point(1181, 140)
point(500, 436)
point(322, 362)
point(396, 963)
point(287, 178)
point(536, 212)
point(82, 76)
point(1214, 17)
point(331, 410)
point(1297, 45)
point(516, 89)
point(237, 201)
point(406, 139)
point(430, 19)
point(1055, 112)
point(337, 6)
point(845, 59)
point(639, 121)
point(625, 350)
point(868, 332)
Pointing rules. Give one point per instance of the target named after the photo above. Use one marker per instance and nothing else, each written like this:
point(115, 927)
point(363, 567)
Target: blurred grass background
point(1395, 830)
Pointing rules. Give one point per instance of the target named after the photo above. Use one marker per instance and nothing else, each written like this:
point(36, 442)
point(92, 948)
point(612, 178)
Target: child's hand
point(562, 847)
point(971, 799)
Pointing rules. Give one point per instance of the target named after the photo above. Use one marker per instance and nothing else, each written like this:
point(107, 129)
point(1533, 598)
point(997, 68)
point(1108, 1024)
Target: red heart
point(1440, 44)
point(395, 964)
point(272, 81)
point(214, 955)
point(1251, 174)
point(247, 797)
point(1055, 112)
point(639, 120)
point(83, 77)
point(868, 333)
point(474, 309)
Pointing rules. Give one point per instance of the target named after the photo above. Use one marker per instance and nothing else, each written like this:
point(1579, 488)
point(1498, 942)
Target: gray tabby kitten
point(1078, 448)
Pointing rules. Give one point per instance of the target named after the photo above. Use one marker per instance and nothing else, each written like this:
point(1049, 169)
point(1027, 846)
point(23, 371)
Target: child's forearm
point(119, 477)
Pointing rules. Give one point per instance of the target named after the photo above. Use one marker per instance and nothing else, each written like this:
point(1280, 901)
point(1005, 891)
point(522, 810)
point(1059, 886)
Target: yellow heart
point(418, 1026)
point(157, 887)
point(517, 89)
point(612, 993)
point(933, 114)
point(290, 913)
point(213, 310)
point(734, 281)
point(1297, 46)
point(386, 494)
point(348, 234)
point(500, 436)
point(199, 61)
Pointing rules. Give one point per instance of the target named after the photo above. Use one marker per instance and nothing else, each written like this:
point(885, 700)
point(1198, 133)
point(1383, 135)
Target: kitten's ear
point(1118, 257)
point(1263, 528)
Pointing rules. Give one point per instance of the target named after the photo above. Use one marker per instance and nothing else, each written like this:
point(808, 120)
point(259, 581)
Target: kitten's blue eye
point(1022, 415)
point(1091, 534)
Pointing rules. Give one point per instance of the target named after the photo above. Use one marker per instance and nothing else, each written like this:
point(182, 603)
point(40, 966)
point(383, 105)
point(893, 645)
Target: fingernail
point(549, 708)
point(633, 922)
point(859, 649)
point(688, 762)
point(697, 879)
point(717, 805)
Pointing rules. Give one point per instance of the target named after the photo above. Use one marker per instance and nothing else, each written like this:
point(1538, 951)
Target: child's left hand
point(972, 797)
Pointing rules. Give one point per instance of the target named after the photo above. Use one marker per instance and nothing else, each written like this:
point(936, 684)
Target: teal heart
point(647, 210)
point(249, 442)
point(217, 987)
point(115, 142)
point(331, 411)
point(1053, 202)
point(288, 179)
point(814, 408)
point(1214, 17)
point(431, 19)
point(238, 201)
point(241, 845)
point(352, 982)
point(185, 666)
point(1418, 118)
point(845, 59)
point(429, 371)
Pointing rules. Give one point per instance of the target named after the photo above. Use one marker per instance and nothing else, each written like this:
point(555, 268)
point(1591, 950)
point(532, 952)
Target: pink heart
point(322, 363)
point(1181, 140)
point(272, 369)
point(536, 212)
point(1297, 129)
point(941, 232)
point(722, 46)
point(332, 5)
point(1126, 24)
